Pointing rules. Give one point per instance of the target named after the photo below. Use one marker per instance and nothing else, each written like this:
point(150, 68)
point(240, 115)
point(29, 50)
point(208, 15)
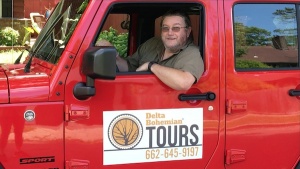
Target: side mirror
point(100, 63)
point(97, 63)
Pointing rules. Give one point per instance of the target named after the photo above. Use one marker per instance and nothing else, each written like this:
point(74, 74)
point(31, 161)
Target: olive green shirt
point(187, 59)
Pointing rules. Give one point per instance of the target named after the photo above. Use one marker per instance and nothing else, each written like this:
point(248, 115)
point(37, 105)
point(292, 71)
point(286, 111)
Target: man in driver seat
point(173, 57)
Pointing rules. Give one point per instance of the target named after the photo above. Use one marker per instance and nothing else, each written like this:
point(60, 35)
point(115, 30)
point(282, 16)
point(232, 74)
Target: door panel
point(262, 120)
point(140, 96)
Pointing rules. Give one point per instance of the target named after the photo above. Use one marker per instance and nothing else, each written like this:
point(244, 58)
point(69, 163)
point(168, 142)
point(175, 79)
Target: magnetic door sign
point(138, 136)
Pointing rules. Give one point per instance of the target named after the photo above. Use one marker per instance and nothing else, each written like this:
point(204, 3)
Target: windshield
point(55, 35)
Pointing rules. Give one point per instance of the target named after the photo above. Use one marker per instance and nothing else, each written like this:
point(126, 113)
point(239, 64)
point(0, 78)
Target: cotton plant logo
point(125, 131)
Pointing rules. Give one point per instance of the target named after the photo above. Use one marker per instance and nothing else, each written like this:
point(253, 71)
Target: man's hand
point(103, 43)
point(143, 67)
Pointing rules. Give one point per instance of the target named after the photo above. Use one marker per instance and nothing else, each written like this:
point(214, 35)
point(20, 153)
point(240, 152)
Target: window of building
point(6, 8)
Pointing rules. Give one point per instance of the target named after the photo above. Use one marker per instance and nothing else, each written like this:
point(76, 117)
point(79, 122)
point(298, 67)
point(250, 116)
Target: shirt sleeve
point(190, 60)
point(145, 52)
point(133, 61)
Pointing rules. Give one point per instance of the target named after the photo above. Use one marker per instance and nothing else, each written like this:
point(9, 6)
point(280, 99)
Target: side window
point(265, 36)
point(128, 25)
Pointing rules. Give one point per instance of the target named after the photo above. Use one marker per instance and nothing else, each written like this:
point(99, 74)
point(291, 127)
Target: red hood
point(19, 87)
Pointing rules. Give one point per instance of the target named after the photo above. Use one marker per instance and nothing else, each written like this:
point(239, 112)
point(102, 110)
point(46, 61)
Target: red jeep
point(67, 106)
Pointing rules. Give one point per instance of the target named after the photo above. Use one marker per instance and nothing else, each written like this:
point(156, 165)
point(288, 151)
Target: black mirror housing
point(100, 62)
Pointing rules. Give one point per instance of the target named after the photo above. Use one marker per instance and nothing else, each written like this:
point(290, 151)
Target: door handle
point(203, 96)
point(293, 92)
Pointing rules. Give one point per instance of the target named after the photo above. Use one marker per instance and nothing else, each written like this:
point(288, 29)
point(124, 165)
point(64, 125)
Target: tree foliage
point(286, 24)
point(244, 64)
point(257, 36)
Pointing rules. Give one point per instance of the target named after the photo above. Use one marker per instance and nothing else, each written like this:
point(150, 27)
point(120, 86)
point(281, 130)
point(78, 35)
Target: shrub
point(9, 36)
point(119, 40)
point(244, 64)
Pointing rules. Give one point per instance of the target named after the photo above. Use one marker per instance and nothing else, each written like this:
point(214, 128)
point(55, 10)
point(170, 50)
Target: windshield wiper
point(17, 61)
point(28, 64)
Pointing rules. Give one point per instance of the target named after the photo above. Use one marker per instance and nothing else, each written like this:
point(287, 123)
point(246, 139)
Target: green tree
point(286, 16)
point(240, 39)
point(249, 36)
point(257, 36)
point(285, 20)
point(244, 64)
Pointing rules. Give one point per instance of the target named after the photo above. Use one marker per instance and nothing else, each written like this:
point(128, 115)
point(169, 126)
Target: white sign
point(138, 136)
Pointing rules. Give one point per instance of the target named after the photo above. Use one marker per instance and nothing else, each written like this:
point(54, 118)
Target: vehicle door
point(262, 85)
point(133, 120)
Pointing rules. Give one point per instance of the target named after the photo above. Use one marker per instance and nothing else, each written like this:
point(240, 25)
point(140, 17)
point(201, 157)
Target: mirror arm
point(90, 82)
point(83, 91)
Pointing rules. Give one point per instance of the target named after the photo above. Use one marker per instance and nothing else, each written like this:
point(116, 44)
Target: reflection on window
point(55, 35)
point(266, 38)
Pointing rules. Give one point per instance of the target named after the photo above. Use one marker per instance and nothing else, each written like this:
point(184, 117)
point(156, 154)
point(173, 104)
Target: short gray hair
point(180, 13)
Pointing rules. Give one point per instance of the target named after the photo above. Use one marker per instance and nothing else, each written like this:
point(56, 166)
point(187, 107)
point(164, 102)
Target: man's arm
point(122, 64)
point(174, 78)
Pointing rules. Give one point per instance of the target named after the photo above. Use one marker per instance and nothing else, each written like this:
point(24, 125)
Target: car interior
point(141, 21)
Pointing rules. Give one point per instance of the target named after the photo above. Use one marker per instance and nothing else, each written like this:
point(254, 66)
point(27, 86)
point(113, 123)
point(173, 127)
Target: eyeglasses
point(174, 29)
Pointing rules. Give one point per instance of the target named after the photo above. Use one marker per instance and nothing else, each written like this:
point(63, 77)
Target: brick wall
point(18, 9)
point(38, 6)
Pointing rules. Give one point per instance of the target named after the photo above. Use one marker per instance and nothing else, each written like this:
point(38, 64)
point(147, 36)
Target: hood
point(19, 87)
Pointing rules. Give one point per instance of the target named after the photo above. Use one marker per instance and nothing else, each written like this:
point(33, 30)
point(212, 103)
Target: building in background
point(16, 13)
point(23, 8)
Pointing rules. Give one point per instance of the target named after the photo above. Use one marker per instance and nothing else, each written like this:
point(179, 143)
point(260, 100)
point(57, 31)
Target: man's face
point(174, 33)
